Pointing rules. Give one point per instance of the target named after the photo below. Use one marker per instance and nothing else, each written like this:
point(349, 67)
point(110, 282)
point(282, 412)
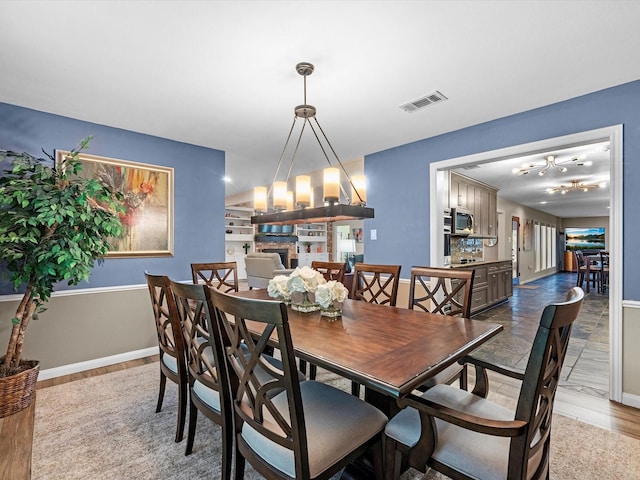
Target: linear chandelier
point(575, 185)
point(287, 209)
point(549, 164)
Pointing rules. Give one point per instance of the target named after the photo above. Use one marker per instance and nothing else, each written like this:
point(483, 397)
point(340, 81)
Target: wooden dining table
point(389, 350)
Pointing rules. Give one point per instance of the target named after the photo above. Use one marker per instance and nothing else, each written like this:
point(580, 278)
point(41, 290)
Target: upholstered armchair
point(260, 268)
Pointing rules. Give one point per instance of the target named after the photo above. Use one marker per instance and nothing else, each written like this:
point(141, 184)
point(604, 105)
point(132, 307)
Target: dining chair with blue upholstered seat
point(287, 428)
point(208, 379)
point(171, 345)
point(464, 435)
point(445, 291)
point(377, 284)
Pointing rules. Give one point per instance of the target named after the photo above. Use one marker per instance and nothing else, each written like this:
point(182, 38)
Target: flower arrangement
point(328, 296)
point(278, 288)
point(305, 279)
point(329, 293)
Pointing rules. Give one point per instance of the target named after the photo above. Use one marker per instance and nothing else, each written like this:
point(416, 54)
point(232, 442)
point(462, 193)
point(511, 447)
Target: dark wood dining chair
point(463, 435)
point(208, 391)
point(444, 291)
point(220, 275)
point(604, 272)
point(286, 428)
point(581, 267)
point(170, 343)
point(330, 270)
point(376, 283)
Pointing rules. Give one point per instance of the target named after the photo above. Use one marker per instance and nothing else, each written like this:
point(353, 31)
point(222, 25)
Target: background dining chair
point(330, 270)
point(463, 435)
point(374, 284)
point(220, 275)
point(604, 271)
point(170, 343)
point(581, 267)
point(207, 375)
point(444, 291)
point(283, 427)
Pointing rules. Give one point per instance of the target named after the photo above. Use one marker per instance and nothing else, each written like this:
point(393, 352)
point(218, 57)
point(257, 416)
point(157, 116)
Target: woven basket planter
point(17, 391)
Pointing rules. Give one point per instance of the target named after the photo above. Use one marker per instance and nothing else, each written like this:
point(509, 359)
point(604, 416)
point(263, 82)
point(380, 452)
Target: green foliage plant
point(54, 226)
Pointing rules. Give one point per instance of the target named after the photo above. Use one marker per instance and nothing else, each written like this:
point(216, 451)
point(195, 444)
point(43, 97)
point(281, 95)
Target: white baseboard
point(631, 400)
point(96, 363)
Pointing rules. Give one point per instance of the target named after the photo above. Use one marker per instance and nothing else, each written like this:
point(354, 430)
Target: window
point(544, 246)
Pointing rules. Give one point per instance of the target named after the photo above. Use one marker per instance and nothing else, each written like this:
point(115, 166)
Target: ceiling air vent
point(422, 102)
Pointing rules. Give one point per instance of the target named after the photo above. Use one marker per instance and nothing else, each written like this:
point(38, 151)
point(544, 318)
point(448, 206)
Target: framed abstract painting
point(147, 200)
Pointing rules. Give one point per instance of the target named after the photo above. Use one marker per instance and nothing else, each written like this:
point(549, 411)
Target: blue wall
point(399, 178)
point(198, 188)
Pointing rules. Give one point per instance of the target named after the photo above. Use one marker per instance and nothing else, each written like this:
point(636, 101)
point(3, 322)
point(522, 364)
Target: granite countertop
point(480, 262)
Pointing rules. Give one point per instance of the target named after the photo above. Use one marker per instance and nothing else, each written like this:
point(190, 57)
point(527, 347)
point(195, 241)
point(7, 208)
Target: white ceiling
point(221, 73)
point(590, 167)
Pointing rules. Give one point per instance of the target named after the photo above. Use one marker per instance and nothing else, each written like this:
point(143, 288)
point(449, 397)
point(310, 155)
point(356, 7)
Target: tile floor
point(586, 367)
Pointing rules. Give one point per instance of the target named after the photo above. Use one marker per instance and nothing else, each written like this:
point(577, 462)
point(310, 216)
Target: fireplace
point(283, 252)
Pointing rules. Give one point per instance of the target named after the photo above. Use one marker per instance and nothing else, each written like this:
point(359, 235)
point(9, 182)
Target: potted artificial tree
point(54, 225)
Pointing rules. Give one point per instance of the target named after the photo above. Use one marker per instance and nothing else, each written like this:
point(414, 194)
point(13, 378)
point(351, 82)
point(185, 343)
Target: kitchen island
point(492, 282)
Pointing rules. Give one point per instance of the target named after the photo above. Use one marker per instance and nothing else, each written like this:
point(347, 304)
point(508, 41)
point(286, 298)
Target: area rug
point(105, 427)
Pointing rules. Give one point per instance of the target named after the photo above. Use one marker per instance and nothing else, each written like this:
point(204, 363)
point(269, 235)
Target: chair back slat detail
point(220, 275)
point(376, 283)
point(330, 270)
point(441, 290)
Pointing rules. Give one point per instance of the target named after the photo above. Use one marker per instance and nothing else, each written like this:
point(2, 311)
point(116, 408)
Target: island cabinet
point(492, 283)
point(480, 292)
point(499, 282)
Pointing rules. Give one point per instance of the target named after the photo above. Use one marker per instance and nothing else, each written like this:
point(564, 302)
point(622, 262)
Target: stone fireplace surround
point(291, 250)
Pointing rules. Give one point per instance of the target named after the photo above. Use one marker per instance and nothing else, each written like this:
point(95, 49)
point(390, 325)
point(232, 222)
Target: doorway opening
point(438, 174)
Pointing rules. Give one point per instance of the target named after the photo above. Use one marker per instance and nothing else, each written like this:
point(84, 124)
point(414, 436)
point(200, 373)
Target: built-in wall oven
point(447, 237)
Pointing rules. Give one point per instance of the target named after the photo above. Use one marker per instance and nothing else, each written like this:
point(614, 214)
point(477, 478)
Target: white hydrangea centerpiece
point(330, 292)
point(305, 279)
point(278, 287)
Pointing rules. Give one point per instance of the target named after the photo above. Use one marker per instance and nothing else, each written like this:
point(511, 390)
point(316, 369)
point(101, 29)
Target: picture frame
point(527, 243)
point(148, 202)
point(357, 234)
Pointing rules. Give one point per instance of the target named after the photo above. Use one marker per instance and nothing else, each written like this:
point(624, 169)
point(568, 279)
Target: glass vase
point(332, 311)
point(305, 305)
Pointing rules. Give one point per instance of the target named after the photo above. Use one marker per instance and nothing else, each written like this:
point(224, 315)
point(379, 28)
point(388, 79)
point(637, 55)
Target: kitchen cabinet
point(477, 198)
point(500, 283)
point(492, 284)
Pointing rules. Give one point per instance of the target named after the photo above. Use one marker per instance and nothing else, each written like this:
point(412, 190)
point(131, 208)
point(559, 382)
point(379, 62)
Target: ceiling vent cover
point(422, 102)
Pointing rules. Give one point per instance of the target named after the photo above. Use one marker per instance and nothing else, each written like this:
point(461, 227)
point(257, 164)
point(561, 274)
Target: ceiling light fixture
point(283, 210)
point(575, 185)
point(549, 163)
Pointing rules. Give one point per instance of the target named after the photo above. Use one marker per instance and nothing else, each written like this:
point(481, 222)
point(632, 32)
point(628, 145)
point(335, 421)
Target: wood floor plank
point(16, 440)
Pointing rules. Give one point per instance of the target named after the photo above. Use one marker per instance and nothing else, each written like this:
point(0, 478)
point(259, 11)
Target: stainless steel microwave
point(462, 221)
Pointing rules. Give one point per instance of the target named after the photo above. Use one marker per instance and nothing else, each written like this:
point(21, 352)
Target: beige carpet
point(105, 427)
